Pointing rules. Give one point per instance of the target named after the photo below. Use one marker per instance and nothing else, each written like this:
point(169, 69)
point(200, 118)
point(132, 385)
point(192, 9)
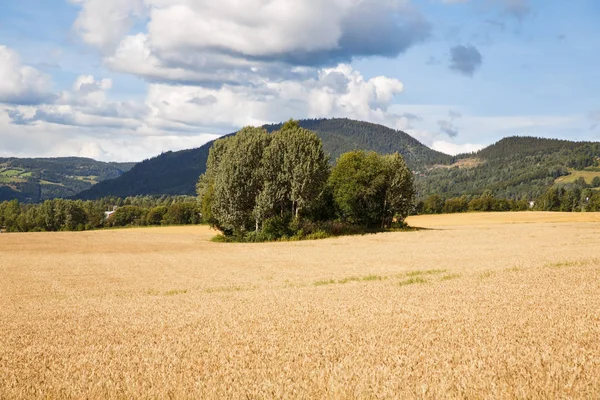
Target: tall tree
point(295, 169)
point(400, 190)
point(238, 180)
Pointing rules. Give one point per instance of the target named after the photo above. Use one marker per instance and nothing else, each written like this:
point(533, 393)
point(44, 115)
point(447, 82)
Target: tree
point(127, 215)
point(295, 170)
point(400, 190)
point(456, 205)
point(371, 190)
point(181, 214)
point(433, 204)
point(358, 184)
point(596, 182)
point(205, 188)
point(155, 215)
point(237, 180)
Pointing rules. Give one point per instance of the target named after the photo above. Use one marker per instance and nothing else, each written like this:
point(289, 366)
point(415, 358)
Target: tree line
point(77, 215)
point(260, 186)
point(576, 197)
point(520, 168)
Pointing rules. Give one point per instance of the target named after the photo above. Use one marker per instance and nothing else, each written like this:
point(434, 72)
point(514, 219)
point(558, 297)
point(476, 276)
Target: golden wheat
point(477, 306)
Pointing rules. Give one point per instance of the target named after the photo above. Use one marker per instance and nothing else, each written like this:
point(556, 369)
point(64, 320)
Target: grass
point(11, 173)
point(172, 292)
point(449, 277)
point(368, 278)
point(166, 313)
point(487, 274)
point(588, 175)
point(412, 281)
point(6, 179)
point(426, 272)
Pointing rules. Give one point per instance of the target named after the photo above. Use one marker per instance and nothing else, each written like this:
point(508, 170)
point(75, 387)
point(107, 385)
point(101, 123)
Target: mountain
point(178, 172)
point(514, 167)
point(38, 179)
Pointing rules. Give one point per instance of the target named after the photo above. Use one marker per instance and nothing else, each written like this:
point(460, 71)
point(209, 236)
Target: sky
point(124, 80)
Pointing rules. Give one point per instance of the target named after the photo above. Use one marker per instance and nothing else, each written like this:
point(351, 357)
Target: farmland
point(588, 175)
point(474, 305)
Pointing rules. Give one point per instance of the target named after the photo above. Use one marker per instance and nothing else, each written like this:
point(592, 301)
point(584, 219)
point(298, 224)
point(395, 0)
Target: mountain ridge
point(178, 172)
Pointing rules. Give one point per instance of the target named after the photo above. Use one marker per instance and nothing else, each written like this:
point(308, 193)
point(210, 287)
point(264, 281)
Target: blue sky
point(128, 79)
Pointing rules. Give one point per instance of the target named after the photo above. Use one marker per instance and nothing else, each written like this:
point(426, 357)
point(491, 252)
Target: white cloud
point(21, 84)
point(339, 91)
point(103, 23)
point(454, 149)
point(209, 43)
point(86, 122)
point(46, 139)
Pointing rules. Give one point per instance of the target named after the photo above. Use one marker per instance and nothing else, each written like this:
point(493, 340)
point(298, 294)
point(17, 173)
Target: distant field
point(462, 163)
point(587, 175)
point(475, 306)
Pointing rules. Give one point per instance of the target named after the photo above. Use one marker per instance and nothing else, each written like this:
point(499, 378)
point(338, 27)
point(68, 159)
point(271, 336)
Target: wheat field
point(475, 306)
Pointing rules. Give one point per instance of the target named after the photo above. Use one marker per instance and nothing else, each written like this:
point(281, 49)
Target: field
point(588, 175)
point(475, 306)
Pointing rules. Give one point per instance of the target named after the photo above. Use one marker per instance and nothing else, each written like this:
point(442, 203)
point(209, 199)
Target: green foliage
point(37, 179)
point(569, 198)
point(181, 214)
point(155, 215)
point(260, 182)
point(238, 180)
point(77, 215)
point(295, 170)
point(126, 215)
point(371, 190)
point(519, 168)
point(174, 173)
point(434, 204)
point(456, 205)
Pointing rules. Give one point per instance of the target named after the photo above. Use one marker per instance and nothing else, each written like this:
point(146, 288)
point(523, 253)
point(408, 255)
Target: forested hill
point(514, 167)
point(178, 172)
point(342, 135)
point(38, 179)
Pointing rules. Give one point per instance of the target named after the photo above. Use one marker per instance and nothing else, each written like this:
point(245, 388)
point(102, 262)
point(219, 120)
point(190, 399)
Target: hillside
point(514, 167)
point(177, 172)
point(38, 179)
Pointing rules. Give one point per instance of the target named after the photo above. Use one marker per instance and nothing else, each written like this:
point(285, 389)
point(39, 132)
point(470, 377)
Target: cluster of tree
point(77, 215)
point(435, 204)
point(569, 198)
point(261, 186)
point(177, 172)
point(517, 168)
point(576, 196)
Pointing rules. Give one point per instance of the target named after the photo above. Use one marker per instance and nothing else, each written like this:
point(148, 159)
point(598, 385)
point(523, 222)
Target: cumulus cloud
point(21, 84)
point(103, 23)
point(339, 91)
point(454, 149)
point(46, 139)
point(187, 113)
point(206, 43)
point(86, 106)
point(465, 59)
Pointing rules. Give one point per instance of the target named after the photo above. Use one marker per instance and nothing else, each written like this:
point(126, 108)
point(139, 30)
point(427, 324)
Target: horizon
point(113, 81)
point(278, 123)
